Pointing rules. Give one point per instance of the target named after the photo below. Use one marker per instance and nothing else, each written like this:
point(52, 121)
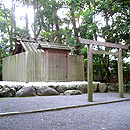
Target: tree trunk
point(14, 17)
point(26, 19)
point(34, 31)
point(52, 31)
point(106, 64)
point(77, 47)
point(56, 21)
point(106, 67)
point(13, 25)
point(100, 70)
point(73, 22)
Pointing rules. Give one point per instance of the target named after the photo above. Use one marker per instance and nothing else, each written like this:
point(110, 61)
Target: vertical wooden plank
point(37, 73)
point(5, 69)
point(67, 66)
point(46, 66)
point(24, 66)
point(16, 56)
point(42, 66)
point(28, 67)
point(19, 68)
point(14, 67)
point(38, 67)
point(120, 74)
point(4, 74)
point(26, 58)
point(8, 69)
point(75, 68)
point(35, 64)
point(90, 74)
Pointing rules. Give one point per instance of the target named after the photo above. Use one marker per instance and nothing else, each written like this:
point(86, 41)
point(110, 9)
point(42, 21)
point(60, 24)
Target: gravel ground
point(42, 102)
point(115, 116)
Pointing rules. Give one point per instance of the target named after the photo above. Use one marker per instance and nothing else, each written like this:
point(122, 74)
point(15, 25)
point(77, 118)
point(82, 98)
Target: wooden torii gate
point(89, 44)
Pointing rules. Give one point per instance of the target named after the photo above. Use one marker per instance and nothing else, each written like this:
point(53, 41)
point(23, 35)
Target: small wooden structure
point(89, 44)
point(34, 61)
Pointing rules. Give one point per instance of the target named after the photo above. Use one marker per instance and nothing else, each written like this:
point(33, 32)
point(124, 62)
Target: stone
point(61, 88)
point(71, 87)
point(1, 86)
point(12, 92)
point(46, 91)
point(127, 88)
point(62, 94)
point(17, 87)
point(36, 87)
point(26, 92)
point(112, 87)
point(103, 88)
point(53, 86)
point(72, 92)
point(82, 88)
point(128, 92)
point(6, 91)
point(95, 87)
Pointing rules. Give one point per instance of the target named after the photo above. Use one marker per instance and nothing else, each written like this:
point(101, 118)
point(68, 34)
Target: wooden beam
point(120, 74)
point(104, 52)
point(90, 74)
point(106, 44)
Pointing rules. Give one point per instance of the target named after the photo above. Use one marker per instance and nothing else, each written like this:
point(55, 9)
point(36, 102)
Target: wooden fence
point(24, 67)
point(30, 67)
point(76, 68)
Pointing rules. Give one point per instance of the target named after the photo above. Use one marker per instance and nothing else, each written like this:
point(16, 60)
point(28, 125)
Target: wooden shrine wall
point(33, 67)
point(24, 67)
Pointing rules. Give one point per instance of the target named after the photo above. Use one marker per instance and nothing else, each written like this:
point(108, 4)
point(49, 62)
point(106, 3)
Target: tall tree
point(55, 7)
point(116, 15)
point(27, 5)
point(46, 19)
point(75, 6)
point(105, 9)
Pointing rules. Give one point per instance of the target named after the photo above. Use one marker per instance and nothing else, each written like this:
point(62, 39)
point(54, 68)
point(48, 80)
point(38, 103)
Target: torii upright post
point(120, 74)
point(90, 73)
point(89, 44)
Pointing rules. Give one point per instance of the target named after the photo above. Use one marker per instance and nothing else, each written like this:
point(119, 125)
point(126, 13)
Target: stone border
point(22, 89)
point(62, 108)
point(16, 89)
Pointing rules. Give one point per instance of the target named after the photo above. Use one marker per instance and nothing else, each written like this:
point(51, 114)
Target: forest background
point(89, 19)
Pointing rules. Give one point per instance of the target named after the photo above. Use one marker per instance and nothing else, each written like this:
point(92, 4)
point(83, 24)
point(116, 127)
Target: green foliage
point(48, 25)
point(4, 52)
point(77, 4)
point(8, 30)
point(21, 32)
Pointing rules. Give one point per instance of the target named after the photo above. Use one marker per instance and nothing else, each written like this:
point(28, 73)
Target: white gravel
point(42, 83)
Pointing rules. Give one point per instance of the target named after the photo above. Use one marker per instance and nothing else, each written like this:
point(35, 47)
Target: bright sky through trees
point(20, 13)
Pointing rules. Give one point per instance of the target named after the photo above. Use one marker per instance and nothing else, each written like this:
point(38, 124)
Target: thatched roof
point(31, 45)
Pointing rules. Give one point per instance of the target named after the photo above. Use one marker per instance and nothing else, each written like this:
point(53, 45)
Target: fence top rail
point(106, 44)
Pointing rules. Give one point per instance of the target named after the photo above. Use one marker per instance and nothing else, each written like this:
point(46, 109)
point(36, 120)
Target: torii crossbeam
point(89, 44)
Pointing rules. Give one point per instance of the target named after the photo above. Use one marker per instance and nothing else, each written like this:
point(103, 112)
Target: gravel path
point(43, 102)
point(115, 116)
